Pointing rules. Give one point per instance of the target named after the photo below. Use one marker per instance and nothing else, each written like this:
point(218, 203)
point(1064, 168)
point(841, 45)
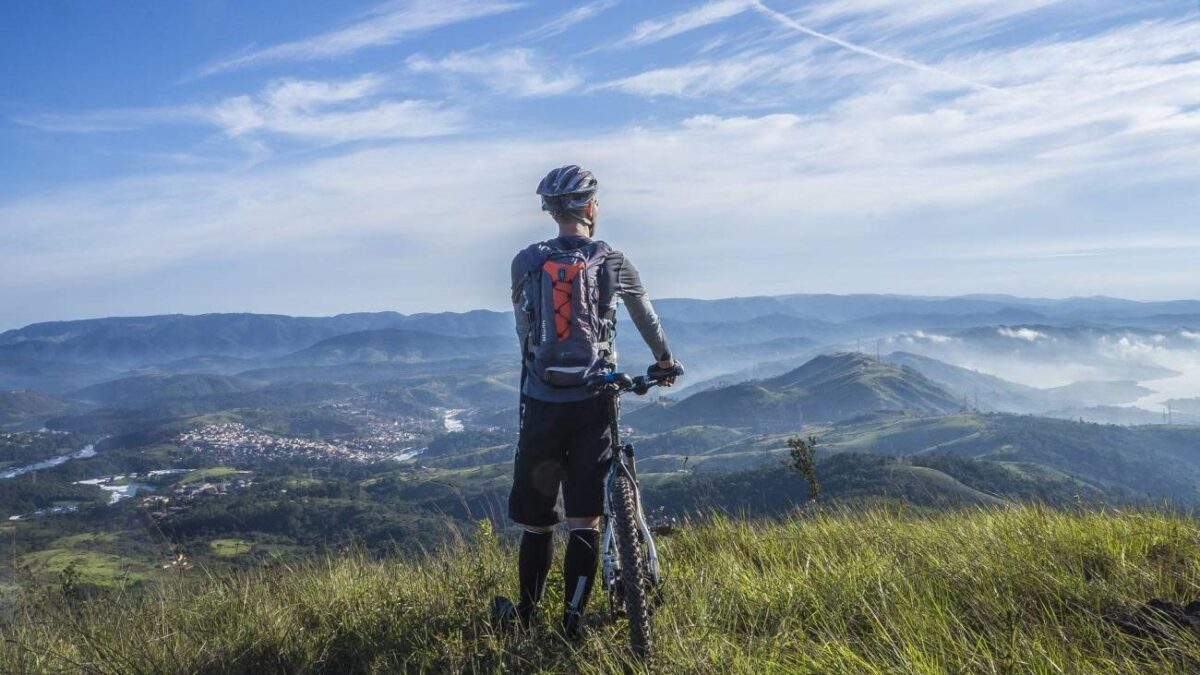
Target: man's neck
point(574, 230)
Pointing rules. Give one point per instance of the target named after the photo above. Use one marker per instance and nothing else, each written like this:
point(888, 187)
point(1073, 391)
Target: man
point(565, 293)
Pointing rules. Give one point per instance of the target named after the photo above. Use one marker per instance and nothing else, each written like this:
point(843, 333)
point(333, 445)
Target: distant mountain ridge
point(827, 388)
point(147, 389)
point(141, 341)
point(842, 308)
point(723, 340)
point(393, 345)
point(989, 392)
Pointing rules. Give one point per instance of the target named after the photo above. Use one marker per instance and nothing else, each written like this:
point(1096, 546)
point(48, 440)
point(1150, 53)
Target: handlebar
point(621, 382)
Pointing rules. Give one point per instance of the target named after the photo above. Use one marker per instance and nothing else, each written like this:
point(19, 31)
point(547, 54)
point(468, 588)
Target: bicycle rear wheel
point(634, 581)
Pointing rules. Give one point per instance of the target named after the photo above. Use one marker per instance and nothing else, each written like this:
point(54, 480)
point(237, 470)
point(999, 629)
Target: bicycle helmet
point(568, 189)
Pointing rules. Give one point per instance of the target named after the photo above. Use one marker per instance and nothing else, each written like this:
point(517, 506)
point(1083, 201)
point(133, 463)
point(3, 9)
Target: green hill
point(25, 406)
point(146, 389)
point(826, 389)
point(1118, 463)
point(1020, 590)
point(51, 377)
point(395, 346)
point(1149, 461)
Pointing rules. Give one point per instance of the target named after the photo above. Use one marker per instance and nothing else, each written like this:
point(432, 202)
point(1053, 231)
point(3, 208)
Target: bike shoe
point(504, 612)
point(572, 626)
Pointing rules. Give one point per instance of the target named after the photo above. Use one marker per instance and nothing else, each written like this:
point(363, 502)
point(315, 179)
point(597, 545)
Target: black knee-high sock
point(579, 568)
point(533, 565)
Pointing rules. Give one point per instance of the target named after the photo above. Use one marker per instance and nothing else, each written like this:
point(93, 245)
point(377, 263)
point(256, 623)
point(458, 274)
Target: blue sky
point(330, 157)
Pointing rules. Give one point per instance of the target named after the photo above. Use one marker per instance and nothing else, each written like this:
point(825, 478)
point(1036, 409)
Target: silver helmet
point(567, 189)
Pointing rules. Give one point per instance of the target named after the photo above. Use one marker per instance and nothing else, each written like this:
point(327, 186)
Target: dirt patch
point(1157, 619)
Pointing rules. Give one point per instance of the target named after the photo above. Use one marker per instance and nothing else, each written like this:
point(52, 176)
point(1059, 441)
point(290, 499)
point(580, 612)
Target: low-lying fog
point(1167, 363)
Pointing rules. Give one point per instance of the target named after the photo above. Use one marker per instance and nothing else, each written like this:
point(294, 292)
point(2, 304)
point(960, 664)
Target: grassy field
point(1020, 590)
point(93, 567)
point(228, 548)
point(210, 474)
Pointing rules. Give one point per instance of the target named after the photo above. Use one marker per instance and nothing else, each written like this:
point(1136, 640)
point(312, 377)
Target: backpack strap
point(606, 292)
point(535, 255)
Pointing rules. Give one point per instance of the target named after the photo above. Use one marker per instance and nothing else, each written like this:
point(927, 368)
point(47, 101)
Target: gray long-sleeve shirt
point(626, 285)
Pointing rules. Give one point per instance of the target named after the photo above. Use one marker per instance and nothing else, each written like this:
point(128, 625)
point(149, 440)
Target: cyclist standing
point(565, 293)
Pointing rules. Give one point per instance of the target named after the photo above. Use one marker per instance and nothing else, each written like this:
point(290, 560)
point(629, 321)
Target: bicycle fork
point(611, 558)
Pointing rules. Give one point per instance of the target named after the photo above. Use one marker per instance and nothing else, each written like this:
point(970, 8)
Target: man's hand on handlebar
point(665, 372)
point(656, 376)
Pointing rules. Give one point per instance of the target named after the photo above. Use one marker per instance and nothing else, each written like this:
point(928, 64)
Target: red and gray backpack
point(571, 315)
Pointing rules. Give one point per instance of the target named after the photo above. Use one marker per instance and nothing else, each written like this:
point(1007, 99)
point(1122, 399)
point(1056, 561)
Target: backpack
point(571, 315)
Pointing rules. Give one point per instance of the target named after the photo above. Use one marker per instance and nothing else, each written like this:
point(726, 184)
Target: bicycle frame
point(622, 462)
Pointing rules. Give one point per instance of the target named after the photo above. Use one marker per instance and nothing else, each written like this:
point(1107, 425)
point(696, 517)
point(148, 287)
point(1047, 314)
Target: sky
point(318, 158)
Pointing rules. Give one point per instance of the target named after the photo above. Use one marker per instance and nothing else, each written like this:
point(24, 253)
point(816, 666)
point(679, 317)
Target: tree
point(802, 460)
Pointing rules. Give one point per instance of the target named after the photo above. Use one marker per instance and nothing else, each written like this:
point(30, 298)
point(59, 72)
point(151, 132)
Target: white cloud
point(567, 20)
point(695, 79)
point(380, 219)
point(705, 15)
point(877, 16)
point(1068, 107)
point(117, 119)
point(869, 173)
point(1021, 333)
point(792, 24)
point(318, 111)
point(509, 71)
point(386, 24)
point(935, 338)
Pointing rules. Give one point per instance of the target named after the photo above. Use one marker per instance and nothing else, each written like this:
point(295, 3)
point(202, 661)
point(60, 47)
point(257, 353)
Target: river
point(451, 421)
point(86, 452)
point(117, 490)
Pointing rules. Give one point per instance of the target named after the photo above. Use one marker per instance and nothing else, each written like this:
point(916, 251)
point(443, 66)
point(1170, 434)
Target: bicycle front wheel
point(634, 581)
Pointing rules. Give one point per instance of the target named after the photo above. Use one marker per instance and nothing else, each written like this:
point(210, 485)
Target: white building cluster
point(233, 440)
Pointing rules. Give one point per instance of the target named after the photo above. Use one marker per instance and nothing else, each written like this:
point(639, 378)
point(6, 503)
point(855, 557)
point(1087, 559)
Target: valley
point(174, 436)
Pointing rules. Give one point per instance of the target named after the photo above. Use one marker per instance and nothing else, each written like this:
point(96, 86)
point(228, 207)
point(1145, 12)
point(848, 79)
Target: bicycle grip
point(656, 373)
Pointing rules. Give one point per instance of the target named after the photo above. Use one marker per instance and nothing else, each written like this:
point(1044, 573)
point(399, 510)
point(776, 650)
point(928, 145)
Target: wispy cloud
point(386, 24)
point(789, 22)
point(567, 20)
point(890, 16)
point(834, 119)
point(659, 80)
point(317, 111)
point(509, 71)
point(660, 29)
point(111, 120)
point(704, 78)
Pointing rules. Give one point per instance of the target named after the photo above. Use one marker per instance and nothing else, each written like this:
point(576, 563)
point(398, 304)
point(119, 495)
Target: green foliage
point(27, 447)
point(803, 454)
point(26, 494)
point(18, 407)
point(228, 548)
point(214, 473)
point(1021, 590)
point(464, 441)
point(687, 441)
point(1134, 462)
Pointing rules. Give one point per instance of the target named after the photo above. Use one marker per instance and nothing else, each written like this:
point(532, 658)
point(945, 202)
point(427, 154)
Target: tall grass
point(1022, 590)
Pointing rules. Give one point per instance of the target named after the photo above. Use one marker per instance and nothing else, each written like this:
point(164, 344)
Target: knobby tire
point(633, 573)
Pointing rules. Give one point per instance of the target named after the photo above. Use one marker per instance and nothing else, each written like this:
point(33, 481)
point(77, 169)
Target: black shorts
point(560, 444)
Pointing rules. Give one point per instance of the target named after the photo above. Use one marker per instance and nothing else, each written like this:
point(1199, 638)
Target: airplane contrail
point(788, 21)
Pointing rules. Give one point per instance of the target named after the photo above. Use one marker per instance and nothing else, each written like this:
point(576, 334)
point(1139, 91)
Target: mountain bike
point(632, 574)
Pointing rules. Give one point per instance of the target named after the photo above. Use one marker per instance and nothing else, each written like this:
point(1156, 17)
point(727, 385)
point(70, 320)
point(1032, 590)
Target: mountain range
point(1106, 349)
point(828, 388)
